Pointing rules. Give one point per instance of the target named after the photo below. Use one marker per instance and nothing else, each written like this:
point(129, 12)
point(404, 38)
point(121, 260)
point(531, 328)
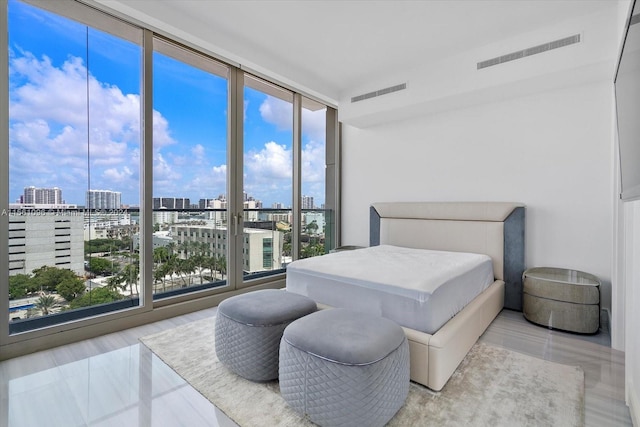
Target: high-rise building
point(171, 202)
point(204, 203)
point(163, 216)
point(42, 196)
point(103, 199)
point(307, 202)
point(251, 201)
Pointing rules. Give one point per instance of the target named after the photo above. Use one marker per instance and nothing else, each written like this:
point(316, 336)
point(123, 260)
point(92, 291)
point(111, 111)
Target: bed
point(476, 250)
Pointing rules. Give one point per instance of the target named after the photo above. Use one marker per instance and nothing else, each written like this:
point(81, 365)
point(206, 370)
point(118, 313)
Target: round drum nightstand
point(563, 299)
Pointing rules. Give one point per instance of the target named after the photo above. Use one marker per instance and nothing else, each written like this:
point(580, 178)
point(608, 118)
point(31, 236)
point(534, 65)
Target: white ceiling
point(331, 46)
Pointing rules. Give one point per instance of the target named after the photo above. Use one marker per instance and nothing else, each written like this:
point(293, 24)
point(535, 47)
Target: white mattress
point(418, 288)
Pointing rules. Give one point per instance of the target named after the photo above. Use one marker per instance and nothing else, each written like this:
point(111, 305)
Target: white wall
point(552, 151)
point(455, 81)
point(632, 294)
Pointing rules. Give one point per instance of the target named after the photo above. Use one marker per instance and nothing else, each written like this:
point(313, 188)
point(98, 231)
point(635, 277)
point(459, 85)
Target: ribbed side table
point(563, 299)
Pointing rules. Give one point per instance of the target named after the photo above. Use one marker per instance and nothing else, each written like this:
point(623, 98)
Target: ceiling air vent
point(530, 51)
point(379, 92)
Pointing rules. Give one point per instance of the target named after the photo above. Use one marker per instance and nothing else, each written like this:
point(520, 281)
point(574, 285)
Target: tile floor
point(114, 380)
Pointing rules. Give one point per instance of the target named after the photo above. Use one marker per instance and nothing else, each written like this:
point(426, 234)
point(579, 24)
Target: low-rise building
point(262, 249)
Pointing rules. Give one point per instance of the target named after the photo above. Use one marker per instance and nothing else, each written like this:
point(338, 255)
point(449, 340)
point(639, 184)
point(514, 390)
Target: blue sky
point(52, 62)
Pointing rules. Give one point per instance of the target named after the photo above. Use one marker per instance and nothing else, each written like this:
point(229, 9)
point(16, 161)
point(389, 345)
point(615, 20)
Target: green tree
point(185, 268)
point(115, 282)
point(70, 289)
point(171, 266)
point(126, 243)
point(104, 245)
point(199, 257)
point(96, 296)
point(172, 247)
point(100, 266)
point(20, 285)
point(160, 255)
point(130, 274)
point(47, 279)
point(128, 277)
point(186, 247)
point(210, 263)
point(286, 249)
point(46, 304)
point(312, 227)
point(312, 250)
point(222, 265)
point(159, 273)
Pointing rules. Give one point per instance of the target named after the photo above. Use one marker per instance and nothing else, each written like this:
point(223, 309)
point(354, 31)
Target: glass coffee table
point(563, 299)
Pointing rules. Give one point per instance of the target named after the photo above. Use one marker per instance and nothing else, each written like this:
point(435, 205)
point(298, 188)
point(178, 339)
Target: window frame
point(148, 309)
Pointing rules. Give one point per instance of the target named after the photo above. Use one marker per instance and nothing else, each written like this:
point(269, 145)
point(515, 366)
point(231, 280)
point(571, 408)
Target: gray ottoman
point(343, 368)
point(249, 328)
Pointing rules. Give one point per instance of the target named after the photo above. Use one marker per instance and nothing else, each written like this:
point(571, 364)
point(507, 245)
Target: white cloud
point(118, 176)
point(313, 162)
point(162, 171)
point(280, 113)
point(49, 133)
point(50, 93)
point(274, 161)
point(49, 124)
point(161, 132)
point(198, 152)
point(208, 184)
point(277, 112)
point(198, 155)
point(268, 173)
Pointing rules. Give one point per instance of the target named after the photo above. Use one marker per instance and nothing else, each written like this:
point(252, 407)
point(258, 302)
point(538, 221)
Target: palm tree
point(46, 304)
point(160, 257)
point(186, 247)
point(160, 254)
point(130, 275)
point(210, 262)
point(114, 282)
point(199, 258)
point(158, 276)
point(171, 247)
point(222, 265)
point(186, 267)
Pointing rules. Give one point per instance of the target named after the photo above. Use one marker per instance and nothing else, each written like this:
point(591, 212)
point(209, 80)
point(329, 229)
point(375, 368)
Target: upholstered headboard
point(492, 228)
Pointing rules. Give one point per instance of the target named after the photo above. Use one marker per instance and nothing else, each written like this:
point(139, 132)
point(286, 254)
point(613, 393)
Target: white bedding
point(418, 288)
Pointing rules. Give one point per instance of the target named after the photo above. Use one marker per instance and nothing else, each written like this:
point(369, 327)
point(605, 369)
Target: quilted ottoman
point(343, 368)
point(249, 328)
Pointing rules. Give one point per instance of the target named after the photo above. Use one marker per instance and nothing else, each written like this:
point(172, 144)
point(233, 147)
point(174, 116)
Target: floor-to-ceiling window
point(74, 139)
point(315, 218)
point(267, 178)
point(143, 173)
point(190, 98)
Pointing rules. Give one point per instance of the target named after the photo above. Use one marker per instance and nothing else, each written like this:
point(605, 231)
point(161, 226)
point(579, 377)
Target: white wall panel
point(552, 151)
point(632, 294)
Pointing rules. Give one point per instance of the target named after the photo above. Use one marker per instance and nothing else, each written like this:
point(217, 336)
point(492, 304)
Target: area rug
point(491, 387)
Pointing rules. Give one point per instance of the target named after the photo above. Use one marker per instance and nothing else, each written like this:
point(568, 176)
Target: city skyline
point(35, 196)
point(75, 119)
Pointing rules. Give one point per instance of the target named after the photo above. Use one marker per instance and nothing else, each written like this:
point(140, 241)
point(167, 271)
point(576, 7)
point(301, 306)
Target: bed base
point(435, 357)
point(492, 228)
